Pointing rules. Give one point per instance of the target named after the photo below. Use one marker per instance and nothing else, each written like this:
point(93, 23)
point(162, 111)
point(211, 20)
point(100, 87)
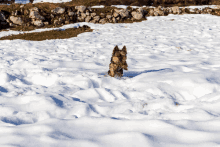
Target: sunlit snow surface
point(55, 92)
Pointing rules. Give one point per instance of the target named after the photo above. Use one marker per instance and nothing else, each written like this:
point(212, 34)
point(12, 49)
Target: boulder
point(58, 10)
point(80, 19)
point(12, 13)
point(46, 23)
point(103, 21)
point(35, 15)
point(67, 22)
point(83, 15)
point(175, 9)
point(56, 22)
point(140, 10)
point(114, 20)
point(16, 20)
point(26, 12)
point(93, 21)
point(97, 18)
point(115, 14)
point(80, 8)
point(88, 18)
point(156, 13)
point(38, 23)
point(108, 16)
point(102, 15)
point(93, 14)
point(151, 12)
point(87, 12)
point(71, 13)
point(137, 15)
point(123, 13)
point(16, 12)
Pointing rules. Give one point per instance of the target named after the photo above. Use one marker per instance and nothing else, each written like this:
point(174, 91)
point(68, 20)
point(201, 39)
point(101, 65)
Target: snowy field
point(54, 93)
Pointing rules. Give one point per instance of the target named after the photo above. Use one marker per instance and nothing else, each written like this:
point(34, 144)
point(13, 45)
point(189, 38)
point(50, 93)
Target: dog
point(118, 62)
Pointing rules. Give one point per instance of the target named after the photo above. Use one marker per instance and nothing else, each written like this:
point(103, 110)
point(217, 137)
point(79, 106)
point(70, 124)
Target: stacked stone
point(61, 16)
point(118, 62)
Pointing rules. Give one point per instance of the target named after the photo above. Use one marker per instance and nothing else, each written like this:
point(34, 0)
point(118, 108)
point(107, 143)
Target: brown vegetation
point(47, 35)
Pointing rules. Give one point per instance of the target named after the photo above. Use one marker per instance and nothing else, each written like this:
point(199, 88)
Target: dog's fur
point(118, 62)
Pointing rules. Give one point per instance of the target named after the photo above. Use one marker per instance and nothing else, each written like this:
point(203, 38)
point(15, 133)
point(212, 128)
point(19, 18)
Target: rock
point(93, 21)
point(156, 14)
point(71, 13)
point(93, 14)
point(115, 14)
point(209, 10)
point(140, 10)
point(56, 22)
point(21, 6)
point(175, 9)
point(114, 20)
point(61, 20)
point(103, 21)
point(83, 15)
point(58, 10)
point(80, 8)
point(198, 11)
point(46, 23)
point(67, 22)
point(16, 12)
point(158, 11)
point(151, 12)
point(108, 16)
point(51, 15)
point(88, 18)
point(102, 15)
point(12, 13)
point(80, 19)
point(38, 23)
point(78, 13)
point(2, 17)
point(90, 9)
point(36, 15)
point(16, 20)
point(123, 13)
point(137, 15)
point(11, 24)
point(97, 18)
point(87, 12)
point(26, 12)
point(117, 18)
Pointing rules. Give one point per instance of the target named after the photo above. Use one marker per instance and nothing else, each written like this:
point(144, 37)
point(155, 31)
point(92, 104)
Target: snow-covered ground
point(55, 92)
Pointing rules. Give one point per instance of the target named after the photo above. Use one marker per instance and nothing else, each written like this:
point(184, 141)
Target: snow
point(56, 92)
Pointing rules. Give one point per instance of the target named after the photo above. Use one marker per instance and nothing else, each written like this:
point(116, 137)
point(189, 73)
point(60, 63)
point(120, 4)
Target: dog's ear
point(124, 49)
point(116, 49)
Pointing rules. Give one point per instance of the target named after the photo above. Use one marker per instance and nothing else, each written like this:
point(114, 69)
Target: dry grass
point(47, 35)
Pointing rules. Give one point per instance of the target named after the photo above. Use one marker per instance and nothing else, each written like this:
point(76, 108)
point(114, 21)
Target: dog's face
point(117, 52)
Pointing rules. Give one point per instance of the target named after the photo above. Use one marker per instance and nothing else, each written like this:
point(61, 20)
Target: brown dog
point(118, 62)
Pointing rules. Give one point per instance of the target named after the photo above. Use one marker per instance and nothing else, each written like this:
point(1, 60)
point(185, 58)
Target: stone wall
point(61, 15)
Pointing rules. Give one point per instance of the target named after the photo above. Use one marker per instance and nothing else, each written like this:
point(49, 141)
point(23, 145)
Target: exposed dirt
point(47, 35)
